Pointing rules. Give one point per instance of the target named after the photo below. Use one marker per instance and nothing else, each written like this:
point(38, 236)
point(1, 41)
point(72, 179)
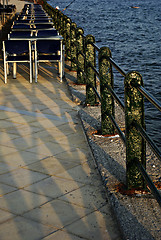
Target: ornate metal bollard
point(67, 38)
point(107, 101)
point(64, 28)
point(90, 58)
point(58, 21)
point(56, 18)
point(62, 24)
point(80, 57)
point(135, 145)
point(54, 15)
point(73, 46)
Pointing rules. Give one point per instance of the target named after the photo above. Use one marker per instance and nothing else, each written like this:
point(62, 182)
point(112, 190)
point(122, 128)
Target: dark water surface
point(134, 37)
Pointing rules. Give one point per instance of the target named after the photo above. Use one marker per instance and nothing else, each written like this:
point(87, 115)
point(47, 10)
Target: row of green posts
point(81, 50)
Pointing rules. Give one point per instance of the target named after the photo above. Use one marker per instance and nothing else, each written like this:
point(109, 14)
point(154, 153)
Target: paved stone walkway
point(49, 186)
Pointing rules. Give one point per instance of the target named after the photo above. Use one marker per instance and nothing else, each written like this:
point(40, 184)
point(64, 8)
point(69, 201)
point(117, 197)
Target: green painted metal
point(63, 32)
point(135, 145)
point(73, 51)
point(107, 101)
point(56, 18)
point(53, 14)
point(90, 58)
point(64, 28)
point(60, 23)
point(67, 38)
point(80, 58)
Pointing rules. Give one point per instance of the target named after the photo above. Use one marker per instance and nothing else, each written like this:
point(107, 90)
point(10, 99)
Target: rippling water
point(134, 37)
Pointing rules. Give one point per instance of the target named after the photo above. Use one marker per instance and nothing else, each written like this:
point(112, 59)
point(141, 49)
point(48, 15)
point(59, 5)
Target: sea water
point(134, 37)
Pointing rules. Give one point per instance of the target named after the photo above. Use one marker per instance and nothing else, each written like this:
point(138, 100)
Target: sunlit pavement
point(50, 188)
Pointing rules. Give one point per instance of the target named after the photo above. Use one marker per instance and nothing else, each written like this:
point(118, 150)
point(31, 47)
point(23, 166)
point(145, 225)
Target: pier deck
point(50, 188)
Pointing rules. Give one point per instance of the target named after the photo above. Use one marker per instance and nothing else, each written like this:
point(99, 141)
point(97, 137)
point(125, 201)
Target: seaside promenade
point(49, 185)
point(54, 166)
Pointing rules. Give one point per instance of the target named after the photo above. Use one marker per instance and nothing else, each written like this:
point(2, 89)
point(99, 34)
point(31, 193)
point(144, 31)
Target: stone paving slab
point(21, 178)
point(54, 187)
point(50, 187)
point(20, 159)
point(57, 213)
point(92, 197)
point(20, 201)
point(4, 189)
point(93, 227)
point(82, 173)
point(52, 165)
point(57, 235)
point(21, 228)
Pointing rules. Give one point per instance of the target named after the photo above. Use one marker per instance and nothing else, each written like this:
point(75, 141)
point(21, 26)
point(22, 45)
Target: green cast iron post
point(135, 145)
point(48, 9)
point(64, 28)
point(53, 15)
point(56, 19)
point(67, 40)
point(62, 25)
point(90, 58)
point(59, 21)
point(80, 57)
point(73, 46)
point(107, 101)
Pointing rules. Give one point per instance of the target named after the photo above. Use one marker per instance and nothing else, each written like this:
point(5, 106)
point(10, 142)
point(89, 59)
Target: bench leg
point(14, 69)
